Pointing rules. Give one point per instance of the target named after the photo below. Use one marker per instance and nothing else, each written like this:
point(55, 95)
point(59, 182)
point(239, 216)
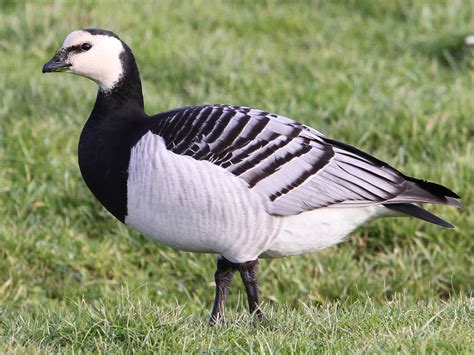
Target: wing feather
point(294, 166)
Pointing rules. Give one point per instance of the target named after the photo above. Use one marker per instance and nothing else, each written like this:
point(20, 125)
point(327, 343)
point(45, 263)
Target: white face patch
point(100, 63)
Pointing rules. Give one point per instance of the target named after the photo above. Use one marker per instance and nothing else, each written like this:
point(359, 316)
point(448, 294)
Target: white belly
point(319, 229)
point(194, 205)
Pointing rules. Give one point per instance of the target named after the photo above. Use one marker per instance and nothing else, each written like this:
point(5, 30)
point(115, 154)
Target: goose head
point(99, 55)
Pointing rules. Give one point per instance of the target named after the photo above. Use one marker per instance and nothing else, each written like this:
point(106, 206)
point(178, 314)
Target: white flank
point(319, 229)
point(101, 63)
point(194, 205)
point(197, 206)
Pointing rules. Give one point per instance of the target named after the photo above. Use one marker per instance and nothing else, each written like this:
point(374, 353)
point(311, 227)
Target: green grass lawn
point(392, 78)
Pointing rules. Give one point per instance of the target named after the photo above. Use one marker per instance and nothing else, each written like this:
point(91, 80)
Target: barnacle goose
point(238, 182)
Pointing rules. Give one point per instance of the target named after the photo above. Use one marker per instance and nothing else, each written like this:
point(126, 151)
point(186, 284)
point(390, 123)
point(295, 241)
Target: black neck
point(126, 94)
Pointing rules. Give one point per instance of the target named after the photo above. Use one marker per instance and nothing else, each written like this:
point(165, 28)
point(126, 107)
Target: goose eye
point(86, 46)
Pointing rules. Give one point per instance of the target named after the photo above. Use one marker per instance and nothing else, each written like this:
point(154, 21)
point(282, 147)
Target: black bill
point(57, 63)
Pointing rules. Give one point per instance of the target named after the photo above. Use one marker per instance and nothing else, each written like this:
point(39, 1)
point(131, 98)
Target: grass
point(393, 79)
point(126, 324)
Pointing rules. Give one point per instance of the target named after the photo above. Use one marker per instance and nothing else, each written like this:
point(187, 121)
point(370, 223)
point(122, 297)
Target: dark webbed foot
point(223, 277)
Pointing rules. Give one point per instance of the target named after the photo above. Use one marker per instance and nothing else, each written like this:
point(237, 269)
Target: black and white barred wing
point(294, 166)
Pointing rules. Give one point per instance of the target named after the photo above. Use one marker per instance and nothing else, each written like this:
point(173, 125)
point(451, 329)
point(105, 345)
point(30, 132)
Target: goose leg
point(248, 273)
point(223, 277)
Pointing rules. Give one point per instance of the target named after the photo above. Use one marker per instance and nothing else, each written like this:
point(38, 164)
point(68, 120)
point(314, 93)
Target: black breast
point(104, 156)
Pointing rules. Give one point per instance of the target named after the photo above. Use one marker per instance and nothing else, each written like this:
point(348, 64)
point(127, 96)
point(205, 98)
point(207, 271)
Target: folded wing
point(296, 167)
